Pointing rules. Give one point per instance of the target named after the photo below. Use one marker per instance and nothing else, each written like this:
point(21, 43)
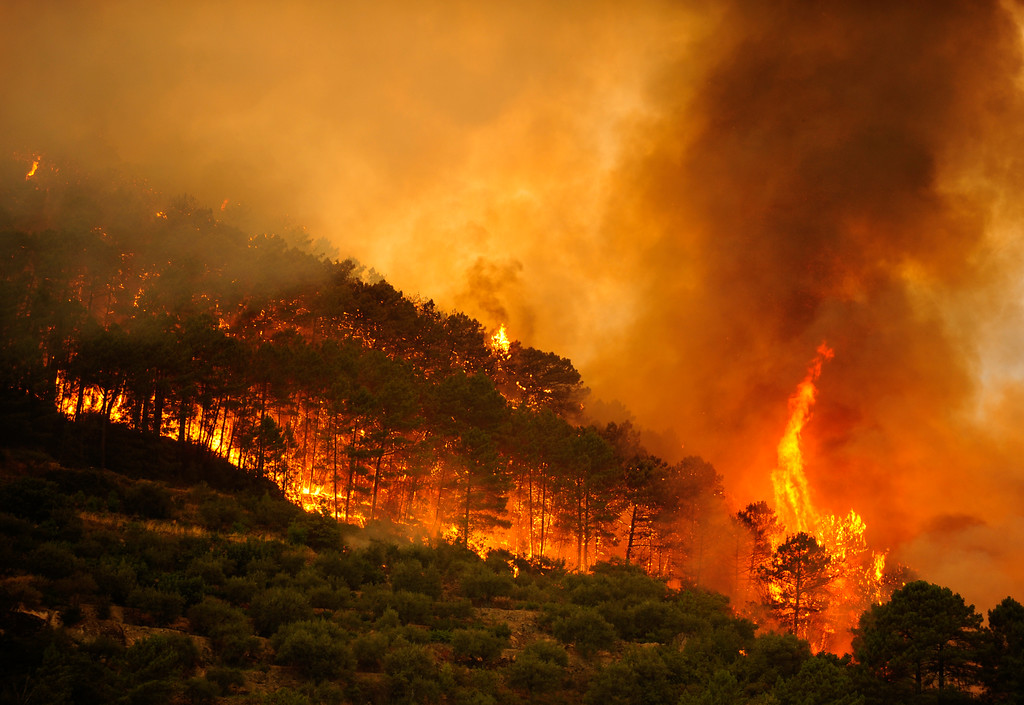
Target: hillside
point(232, 470)
point(119, 589)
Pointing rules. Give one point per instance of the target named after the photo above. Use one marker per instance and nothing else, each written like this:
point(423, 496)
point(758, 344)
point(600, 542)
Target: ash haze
point(683, 198)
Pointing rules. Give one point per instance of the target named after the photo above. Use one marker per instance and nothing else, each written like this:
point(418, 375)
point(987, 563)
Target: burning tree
point(798, 577)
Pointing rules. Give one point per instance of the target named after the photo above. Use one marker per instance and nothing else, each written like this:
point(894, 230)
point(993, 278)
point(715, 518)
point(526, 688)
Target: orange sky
point(684, 198)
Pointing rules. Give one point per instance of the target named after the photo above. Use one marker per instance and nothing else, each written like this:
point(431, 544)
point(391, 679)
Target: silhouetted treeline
point(120, 307)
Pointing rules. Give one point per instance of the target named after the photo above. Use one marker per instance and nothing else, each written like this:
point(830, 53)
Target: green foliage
point(368, 649)
point(643, 676)
point(164, 607)
point(820, 681)
point(219, 513)
point(275, 607)
point(539, 668)
point(410, 575)
point(1003, 655)
point(585, 629)
point(315, 531)
point(161, 657)
point(53, 560)
point(317, 648)
point(411, 675)
point(478, 646)
point(32, 498)
point(148, 500)
point(481, 584)
point(924, 638)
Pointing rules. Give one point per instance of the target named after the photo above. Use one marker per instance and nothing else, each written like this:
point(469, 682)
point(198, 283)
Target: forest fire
point(792, 494)
point(32, 170)
point(500, 342)
point(824, 561)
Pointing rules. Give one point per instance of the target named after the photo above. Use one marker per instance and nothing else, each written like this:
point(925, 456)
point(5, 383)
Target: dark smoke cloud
point(683, 198)
point(837, 175)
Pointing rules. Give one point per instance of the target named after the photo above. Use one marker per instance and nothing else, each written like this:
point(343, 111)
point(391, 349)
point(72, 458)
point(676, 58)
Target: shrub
point(162, 656)
point(220, 513)
point(324, 597)
point(539, 668)
point(480, 584)
point(200, 690)
point(369, 649)
point(585, 629)
point(316, 648)
point(641, 677)
point(148, 500)
point(117, 580)
point(275, 607)
point(53, 560)
point(32, 498)
point(163, 607)
point(410, 575)
point(209, 569)
point(211, 614)
point(411, 674)
point(317, 532)
point(240, 590)
point(477, 646)
point(227, 680)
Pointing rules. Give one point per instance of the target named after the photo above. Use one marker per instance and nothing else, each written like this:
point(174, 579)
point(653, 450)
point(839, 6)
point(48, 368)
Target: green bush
point(317, 648)
point(228, 629)
point(275, 607)
point(162, 656)
point(369, 649)
point(411, 674)
point(117, 580)
point(199, 691)
point(227, 680)
point(644, 676)
point(477, 646)
point(410, 575)
point(240, 590)
point(324, 597)
point(480, 584)
point(52, 560)
point(220, 513)
point(318, 532)
point(32, 498)
point(210, 569)
point(539, 668)
point(585, 629)
point(211, 614)
point(163, 607)
point(148, 500)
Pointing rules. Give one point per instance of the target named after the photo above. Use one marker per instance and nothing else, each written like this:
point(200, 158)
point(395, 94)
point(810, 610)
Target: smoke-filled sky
point(684, 198)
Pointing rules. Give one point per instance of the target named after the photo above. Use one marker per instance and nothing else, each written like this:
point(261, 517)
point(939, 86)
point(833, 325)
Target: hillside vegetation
point(232, 471)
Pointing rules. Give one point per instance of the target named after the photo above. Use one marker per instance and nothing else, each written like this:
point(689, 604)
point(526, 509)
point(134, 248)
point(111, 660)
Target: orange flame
point(792, 494)
point(500, 342)
point(32, 171)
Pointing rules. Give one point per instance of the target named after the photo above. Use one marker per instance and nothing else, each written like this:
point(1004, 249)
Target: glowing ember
point(500, 342)
point(32, 171)
point(792, 495)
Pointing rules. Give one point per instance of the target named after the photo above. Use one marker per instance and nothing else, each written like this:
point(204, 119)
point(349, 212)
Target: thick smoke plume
point(685, 199)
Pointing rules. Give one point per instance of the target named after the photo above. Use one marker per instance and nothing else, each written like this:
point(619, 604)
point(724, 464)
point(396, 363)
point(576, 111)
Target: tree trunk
point(632, 532)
